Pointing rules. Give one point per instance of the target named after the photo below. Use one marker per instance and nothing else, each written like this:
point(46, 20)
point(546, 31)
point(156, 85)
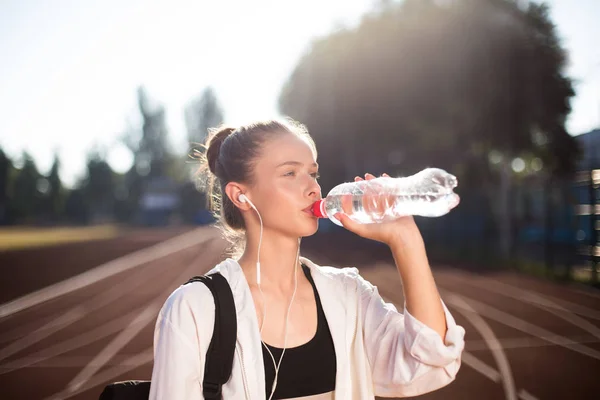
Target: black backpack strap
point(219, 357)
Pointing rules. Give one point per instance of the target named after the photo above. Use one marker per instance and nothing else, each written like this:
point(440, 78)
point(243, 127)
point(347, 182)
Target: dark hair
point(230, 156)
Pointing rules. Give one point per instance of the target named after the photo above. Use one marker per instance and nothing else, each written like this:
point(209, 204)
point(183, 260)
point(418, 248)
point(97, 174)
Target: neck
point(277, 260)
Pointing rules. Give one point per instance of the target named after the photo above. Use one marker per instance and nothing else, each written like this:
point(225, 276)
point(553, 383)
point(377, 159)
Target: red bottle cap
point(317, 209)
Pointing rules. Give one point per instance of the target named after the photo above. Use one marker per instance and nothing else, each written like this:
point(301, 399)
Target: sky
point(70, 69)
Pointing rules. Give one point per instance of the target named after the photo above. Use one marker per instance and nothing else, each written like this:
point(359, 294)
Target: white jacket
point(379, 351)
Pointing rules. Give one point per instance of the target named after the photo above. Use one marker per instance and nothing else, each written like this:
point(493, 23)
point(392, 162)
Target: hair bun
point(215, 140)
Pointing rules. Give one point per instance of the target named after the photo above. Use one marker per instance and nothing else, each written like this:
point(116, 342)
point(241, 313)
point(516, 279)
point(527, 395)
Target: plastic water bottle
point(428, 193)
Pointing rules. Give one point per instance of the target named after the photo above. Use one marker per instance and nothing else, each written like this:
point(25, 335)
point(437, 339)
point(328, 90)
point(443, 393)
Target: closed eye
point(314, 175)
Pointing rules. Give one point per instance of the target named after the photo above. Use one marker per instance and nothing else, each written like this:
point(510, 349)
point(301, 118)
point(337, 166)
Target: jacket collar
point(332, 295)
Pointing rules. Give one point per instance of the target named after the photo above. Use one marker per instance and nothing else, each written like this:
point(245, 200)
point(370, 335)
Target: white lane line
point(518, 293)
point(41, 333)
point(120, 341)
point(106, 329)
point(147, 315)
point(107, 270)
point(527, 327)
point(70, 344)
point(125, 336)
point(528, 342)
point(62, 320)
point(534, 300)
point(47, 357)
point(481, 367)
point(575, 320)
point(490, 373)
point(525, 395)
point(477, 364)
point(9, 335)
point(489, 336)
point(76, 362)
point(109, 375)
point(587, 292)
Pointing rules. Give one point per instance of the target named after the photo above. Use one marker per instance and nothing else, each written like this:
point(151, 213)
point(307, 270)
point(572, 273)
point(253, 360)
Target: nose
point(314, 189)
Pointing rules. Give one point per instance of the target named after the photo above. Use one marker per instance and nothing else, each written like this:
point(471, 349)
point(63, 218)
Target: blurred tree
point(131, 187)
point(5, 171)
point(152, 152)
point(153, 157)
point(201, 114)
point(76, 208)
point(98, 189)
point(26, 192)
point(427, 83)
point(54, 199)
point(123, 208)
point(418, 82)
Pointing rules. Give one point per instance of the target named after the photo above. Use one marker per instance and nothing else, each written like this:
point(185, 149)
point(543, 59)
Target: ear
point(233, 191)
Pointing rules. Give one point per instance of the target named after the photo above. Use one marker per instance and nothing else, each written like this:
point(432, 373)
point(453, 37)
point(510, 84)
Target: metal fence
point(554, 229)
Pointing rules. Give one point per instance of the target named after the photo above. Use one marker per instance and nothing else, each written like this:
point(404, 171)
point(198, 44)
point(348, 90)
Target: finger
point(349, 223)
point(357, 179)
point(386, 175)
point(369, 176)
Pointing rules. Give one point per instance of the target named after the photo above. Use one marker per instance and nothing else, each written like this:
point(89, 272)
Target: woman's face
point(285, 176)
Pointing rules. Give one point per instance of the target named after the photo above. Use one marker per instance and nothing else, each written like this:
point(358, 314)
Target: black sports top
point(307, 369)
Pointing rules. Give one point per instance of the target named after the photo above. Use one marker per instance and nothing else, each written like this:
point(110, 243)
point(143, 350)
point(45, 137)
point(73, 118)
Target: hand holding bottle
point(402, 231)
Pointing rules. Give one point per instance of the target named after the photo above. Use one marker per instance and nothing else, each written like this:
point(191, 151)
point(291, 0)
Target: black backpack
point(219, 357)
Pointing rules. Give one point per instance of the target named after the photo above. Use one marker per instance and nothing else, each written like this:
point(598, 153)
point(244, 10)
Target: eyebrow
point(296, 163)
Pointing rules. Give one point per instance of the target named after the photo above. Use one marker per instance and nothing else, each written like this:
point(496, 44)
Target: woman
point(304, 331)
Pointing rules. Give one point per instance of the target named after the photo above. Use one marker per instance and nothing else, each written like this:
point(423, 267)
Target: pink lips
point(311, 209)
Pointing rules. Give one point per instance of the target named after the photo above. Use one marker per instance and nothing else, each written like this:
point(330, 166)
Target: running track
point(526, 339)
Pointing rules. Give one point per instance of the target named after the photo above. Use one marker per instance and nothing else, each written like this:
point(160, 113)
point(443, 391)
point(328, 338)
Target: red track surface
point(526, 339)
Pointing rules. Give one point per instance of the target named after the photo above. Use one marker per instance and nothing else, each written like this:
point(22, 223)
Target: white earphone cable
point(275, 365)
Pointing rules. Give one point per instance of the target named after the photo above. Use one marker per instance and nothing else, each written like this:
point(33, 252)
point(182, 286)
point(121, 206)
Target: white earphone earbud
point(244, 199)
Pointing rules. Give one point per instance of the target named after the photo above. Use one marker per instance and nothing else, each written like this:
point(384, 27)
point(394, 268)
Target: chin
point(302, 227)
point(309, 231)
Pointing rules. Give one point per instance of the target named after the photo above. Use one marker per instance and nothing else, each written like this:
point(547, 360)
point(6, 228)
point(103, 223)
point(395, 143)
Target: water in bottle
point(428, 193)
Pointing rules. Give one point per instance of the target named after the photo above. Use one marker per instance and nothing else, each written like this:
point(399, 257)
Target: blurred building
point(159, 201)
point(590, 146)
point(587, 193)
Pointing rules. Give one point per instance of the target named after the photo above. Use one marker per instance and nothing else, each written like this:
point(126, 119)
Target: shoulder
point(346, 276)
point(330, 271)
point(188, 299)
point(186, 318)
point(339, 273)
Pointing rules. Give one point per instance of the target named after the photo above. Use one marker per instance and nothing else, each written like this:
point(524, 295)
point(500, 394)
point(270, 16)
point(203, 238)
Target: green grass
point(16, 238)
